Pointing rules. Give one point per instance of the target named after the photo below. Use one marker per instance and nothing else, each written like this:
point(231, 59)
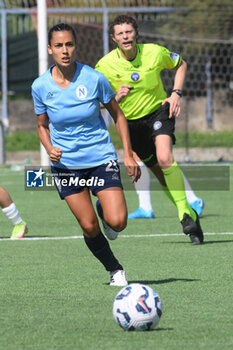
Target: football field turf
point(54, 295)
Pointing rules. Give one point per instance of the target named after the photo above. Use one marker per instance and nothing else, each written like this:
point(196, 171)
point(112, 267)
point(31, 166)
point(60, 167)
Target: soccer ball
point(137, 307)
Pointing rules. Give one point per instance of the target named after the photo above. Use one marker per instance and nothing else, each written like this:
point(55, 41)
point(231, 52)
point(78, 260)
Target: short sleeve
point(106, 93)
point(170, 59)
point(39, 106)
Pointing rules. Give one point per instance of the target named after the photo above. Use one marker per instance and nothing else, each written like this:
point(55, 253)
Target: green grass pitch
point(54, 295)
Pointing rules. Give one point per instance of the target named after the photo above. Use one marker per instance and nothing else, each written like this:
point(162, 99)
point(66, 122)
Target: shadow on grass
point(39, 237)
point(213, 242)
point(200, 245)
point(157, 329)
point(168, 280)
point(162, 329)
point(206, 216)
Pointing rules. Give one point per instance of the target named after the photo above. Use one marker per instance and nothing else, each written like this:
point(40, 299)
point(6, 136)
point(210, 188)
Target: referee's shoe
point(192, 228)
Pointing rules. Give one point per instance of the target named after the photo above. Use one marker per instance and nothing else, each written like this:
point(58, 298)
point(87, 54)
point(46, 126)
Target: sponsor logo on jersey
point(174, 56)
point(49, 95)
point(135, 76)
point(81, 92)
point(157, 125)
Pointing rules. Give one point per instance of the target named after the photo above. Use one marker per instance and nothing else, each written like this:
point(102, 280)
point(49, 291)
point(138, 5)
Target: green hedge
point(195, 139)
point(28, 140)
point(22, 141)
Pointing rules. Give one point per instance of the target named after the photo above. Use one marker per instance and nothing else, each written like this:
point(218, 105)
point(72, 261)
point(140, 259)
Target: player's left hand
point(133, 169)
point(174, 101)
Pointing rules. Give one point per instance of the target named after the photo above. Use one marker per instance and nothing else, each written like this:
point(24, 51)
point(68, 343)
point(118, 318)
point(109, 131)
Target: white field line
point(120, 236)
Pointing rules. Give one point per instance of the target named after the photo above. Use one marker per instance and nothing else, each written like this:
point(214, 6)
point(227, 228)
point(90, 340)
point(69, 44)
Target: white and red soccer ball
point(137, 307)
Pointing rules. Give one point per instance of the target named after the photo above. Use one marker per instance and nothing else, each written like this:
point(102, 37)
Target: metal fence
point(208, 90)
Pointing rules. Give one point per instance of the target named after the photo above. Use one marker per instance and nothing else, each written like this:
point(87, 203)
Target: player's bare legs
point(113, 203)
point(82, 208)
point(10, 210)
point(175, 184)
point(5, 199)
point(163, 144)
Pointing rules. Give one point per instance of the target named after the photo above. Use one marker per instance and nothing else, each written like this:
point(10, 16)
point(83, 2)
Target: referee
point(133, 71)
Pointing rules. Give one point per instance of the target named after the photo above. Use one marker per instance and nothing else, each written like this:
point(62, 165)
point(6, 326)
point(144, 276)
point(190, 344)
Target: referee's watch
point(179, 92)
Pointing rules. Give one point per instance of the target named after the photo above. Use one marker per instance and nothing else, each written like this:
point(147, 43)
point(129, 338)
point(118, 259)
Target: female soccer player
point(71, 128)
point(10, 210)
point(133, 71)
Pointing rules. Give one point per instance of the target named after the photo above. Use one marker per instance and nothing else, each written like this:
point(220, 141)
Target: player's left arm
point(174, 99)
point(122, 129)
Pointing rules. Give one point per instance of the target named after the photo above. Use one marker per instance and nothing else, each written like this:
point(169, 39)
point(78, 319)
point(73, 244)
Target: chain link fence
point(208, 90)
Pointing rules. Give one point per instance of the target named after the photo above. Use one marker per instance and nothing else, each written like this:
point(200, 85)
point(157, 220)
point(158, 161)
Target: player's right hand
point(122, 92)
point(133, 169)
point(55, 155)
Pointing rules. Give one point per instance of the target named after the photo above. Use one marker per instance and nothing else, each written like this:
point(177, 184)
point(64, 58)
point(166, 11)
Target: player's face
point(125, 37)
point(63, 48)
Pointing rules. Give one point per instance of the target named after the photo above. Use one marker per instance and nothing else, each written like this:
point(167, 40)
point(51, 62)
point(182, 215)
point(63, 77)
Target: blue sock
point(100, 248)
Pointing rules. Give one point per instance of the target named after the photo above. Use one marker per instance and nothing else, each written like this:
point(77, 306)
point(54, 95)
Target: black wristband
point(179, 92)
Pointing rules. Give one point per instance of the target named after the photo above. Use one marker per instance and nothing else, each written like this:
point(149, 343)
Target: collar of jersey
point(130, 61)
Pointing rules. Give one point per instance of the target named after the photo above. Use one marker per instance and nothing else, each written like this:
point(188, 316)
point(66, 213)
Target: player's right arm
point(44, 136)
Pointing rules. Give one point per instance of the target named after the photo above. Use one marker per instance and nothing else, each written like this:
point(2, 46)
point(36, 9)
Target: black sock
point(100, 248)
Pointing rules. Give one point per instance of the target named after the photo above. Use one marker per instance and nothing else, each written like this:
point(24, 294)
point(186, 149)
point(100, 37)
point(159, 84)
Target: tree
point(210, 19)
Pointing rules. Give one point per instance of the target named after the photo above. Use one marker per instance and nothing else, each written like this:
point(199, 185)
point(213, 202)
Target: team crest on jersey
point(157, 125)
point(135, 76)
point(81, 92)
point(174, 56)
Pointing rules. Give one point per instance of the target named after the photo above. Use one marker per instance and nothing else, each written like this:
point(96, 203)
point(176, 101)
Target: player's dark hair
point(61, 27)
point(123, 19)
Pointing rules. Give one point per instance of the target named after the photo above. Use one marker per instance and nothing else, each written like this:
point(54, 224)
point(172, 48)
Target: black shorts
point(71, 181)
point(143, 132)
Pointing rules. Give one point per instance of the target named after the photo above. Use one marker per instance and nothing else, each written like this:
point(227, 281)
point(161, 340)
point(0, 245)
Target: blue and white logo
point(35, 178)
point(81, 92)
point(174, 56)
point(135, 76)
point(157, 125)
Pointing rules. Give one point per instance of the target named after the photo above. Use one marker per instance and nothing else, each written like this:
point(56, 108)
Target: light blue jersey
point(76, 124)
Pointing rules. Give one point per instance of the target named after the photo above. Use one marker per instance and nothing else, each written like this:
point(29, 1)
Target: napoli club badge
point(135, 76)
point(157, 125)
point(81, 92)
